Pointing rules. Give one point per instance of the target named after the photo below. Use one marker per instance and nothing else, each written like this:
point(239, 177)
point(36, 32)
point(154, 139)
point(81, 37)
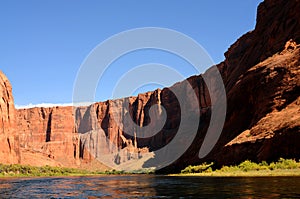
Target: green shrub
point(208, 170)
point(229, 169)
point(247, 165)
point(263, 163)
point(198, 168)
point(284, 164)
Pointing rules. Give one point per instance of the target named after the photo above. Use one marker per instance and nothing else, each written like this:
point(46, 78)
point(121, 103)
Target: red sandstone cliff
point(47, 136)
point(262, 78)
point(261, 74)
point(262, 81)
point(9, 150)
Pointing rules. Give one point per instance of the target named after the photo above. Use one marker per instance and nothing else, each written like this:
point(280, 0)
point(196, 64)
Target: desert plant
point(198, 168)
point(247, 165)
point(284, 164)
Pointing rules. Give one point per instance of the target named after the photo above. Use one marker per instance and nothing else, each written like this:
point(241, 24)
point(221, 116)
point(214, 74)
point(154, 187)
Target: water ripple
point(150, 186)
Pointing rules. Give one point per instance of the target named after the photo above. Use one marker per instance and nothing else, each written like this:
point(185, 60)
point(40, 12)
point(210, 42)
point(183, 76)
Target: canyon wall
point(77, 136)
point(261, 74)
point(262, 81)
point(48, 133)
point(9, 140)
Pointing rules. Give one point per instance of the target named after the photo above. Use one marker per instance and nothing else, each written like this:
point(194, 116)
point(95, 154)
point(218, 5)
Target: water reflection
point(150, 186)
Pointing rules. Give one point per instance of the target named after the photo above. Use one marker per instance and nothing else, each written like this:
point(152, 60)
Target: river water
point(150, 186)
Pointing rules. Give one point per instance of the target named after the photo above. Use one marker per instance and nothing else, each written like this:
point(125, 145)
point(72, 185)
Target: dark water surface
point(150, 186)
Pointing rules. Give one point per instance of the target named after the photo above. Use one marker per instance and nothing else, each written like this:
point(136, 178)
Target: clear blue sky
point(43, 43)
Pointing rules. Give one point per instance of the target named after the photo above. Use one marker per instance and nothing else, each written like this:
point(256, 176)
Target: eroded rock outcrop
point(261, 78)
point(48, 132)
point(261, 74)
point(268, 111)
point(9, 140)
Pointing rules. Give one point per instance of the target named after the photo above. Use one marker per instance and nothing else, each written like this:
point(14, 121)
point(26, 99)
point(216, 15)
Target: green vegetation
point(116, 172)
point(247, 168)
point(198, 169)
point(16, 170)
point(283, 167)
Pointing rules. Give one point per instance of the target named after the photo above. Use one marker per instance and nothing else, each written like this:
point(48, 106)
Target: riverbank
point(260, 173)
point(283, 167)
point(16, 170)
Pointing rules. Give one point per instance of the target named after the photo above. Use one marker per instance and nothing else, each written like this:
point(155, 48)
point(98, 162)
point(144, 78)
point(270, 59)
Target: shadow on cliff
point(254, 91)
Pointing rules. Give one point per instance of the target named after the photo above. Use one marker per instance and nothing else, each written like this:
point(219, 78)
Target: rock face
point(262, 78)
point(9, 141)
point(261, 74)
point(48, 132)
point(263, 120)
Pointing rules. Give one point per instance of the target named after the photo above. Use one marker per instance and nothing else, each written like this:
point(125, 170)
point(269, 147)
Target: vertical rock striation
point(9, 141)
point(48, 132)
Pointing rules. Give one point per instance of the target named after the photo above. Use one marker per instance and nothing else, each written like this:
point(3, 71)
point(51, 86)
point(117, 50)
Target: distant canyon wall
point(75, 135)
